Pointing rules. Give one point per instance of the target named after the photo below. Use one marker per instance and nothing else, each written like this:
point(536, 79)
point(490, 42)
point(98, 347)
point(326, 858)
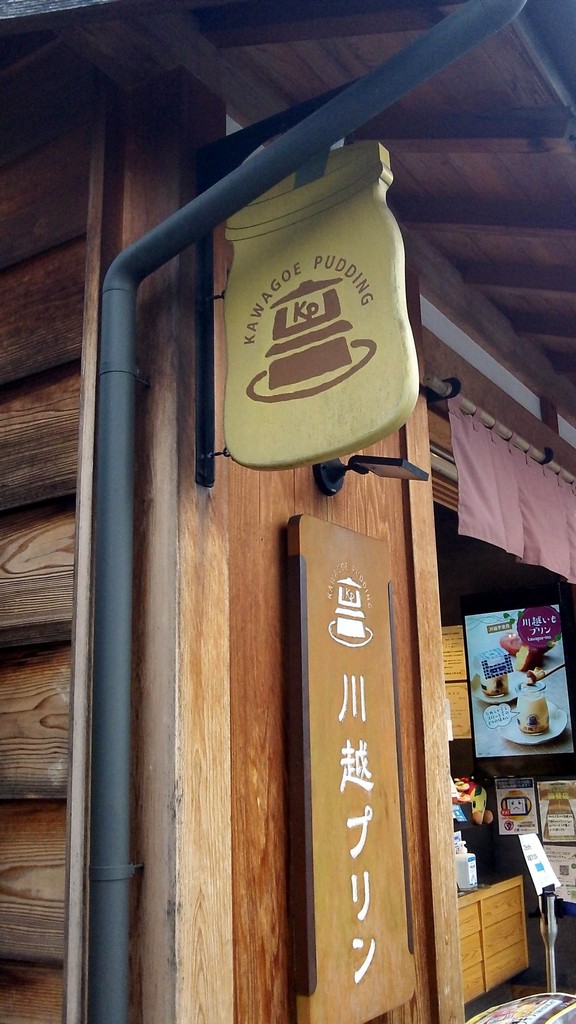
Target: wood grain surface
point(204, 935)
point(438, 900)
point(43, 198)
point(39, 437)
point(30, 994)
point(34, 699)
point(41, 301)
point(32, 844)
point(36, 573)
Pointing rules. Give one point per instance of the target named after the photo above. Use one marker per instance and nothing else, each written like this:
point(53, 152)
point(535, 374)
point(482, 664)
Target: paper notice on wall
point(457, 694)
point(516, 802)
point(558, 811)
point(563, 862)
point(453, 651)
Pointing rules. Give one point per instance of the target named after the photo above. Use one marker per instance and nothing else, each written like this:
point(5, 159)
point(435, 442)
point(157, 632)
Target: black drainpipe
point(110, 867)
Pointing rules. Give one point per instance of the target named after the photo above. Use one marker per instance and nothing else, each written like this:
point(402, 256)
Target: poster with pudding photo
point(518, 678)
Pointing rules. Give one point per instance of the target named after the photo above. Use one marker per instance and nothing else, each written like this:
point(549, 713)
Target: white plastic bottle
point(466, 876)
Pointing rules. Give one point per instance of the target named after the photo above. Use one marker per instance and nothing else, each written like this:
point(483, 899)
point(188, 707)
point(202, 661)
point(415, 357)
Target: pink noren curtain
point(508, 499)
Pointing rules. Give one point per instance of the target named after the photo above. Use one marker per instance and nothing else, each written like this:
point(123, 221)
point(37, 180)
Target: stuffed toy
point(469, 792)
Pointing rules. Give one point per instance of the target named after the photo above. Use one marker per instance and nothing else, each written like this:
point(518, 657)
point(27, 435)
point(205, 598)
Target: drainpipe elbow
point(122, 274)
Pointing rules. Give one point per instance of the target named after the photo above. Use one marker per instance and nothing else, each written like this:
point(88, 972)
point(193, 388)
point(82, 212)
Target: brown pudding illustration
point(309, 344)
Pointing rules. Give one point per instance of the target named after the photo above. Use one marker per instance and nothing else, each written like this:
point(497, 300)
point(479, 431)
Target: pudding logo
point(349, 627)
point(320, 354)
point(313, 346)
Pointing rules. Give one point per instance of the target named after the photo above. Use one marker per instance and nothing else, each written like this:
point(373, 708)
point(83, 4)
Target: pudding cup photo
point(533, 713)
point(494, 667)
point(497, 686)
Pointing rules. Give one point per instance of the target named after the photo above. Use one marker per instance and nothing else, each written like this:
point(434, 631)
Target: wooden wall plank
point(34, 699)
point(438, 889)
point(36, 573)
point(43, 198)
point(151, 190)
point(32, 844)
point(39, 437)
point(101, 184)
point(439, 427)
point(204, 845)
point(260, 506)
point(41, 301)
point(204, 928)
point(30, 994)
point(385, 504)
point(445, 492)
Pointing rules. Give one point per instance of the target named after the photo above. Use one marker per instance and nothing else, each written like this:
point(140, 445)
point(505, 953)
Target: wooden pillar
point(143, 171)
point(211, 933)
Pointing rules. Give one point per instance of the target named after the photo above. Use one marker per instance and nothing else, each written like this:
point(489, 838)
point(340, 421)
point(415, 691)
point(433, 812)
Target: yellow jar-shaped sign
point(321, 358)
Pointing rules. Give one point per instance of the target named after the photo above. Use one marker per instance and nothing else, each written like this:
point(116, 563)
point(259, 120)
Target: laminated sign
point(321, 358)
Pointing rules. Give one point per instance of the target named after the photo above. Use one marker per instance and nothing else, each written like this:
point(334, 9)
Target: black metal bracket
point(455, 388)
point(548, 456)
point(329, 476)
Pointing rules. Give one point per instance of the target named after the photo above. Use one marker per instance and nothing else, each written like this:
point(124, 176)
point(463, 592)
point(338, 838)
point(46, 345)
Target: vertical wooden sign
point(348, 882)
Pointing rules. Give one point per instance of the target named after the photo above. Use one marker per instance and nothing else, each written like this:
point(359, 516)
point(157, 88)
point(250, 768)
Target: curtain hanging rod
point(445, 389)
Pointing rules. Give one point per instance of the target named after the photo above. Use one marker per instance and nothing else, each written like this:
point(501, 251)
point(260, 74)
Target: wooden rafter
point(563, 362)
point(546, 324)
point(499, 217)
point(532, 129)
point(521, 277)
point(250, 23)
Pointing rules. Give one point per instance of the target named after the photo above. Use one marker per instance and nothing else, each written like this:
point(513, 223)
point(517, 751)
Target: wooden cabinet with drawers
point(493, 944)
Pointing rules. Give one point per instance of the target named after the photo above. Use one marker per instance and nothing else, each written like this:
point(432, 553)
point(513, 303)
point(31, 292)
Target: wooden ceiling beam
point(521, 277)
point(496, 217)
point(248, 98)
point(481, 320)
point(549, 325)
point(531, 129)
point(251, 23)
point(120, 50)
point(563, 362)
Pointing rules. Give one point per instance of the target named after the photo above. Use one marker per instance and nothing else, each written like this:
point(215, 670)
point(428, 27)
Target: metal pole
point(549, 931)
point(110, 867)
